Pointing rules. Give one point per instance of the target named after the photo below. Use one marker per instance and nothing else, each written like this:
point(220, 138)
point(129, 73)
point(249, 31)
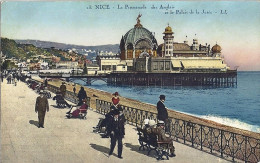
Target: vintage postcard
point(130, 81)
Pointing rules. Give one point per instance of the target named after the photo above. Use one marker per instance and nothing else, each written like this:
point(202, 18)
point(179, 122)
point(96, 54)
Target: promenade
point(67, 140)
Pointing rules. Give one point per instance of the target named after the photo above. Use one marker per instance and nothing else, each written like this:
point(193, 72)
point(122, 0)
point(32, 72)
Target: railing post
point(141, 120)
point(192, 138)
point(211, 146)
point(200, 137)
point(221, 143)
point(184, 137)
point(135, 117)
point(233, 149)
point(245, 148)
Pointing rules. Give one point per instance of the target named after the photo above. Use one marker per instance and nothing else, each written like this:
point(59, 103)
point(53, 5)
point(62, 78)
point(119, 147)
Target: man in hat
point(160, 131)
point(41, 107)
point(63, 89)
point(117, 131)
point(162, 111)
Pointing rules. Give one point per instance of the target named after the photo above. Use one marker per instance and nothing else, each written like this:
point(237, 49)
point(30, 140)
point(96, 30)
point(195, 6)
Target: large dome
point(139, 33)
point(138, 41)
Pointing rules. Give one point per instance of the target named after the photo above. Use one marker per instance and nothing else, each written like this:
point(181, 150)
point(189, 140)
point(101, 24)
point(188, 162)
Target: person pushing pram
point(60, 101)
point(78, 111)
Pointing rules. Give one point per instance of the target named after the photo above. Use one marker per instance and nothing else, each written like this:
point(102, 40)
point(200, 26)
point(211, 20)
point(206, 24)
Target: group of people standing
point(11, 78)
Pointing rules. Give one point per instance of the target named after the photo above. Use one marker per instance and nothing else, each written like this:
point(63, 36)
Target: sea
point(233, 106)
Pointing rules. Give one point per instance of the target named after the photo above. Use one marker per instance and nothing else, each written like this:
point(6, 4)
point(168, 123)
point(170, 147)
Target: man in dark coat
point(63, 89)
point(117, 131)
point(41, 107)
point(45, 82)
point(162, 112)
point(82, 95)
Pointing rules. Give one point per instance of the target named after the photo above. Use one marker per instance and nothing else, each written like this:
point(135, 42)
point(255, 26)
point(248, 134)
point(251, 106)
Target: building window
point(167, 65)
point(114, 67)
point(155, 66)
point(161, 66)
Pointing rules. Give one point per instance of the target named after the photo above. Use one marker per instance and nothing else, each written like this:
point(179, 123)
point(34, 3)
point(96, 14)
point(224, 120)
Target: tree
point(8, 65)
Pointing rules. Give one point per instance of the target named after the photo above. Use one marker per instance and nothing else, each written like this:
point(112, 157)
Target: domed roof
point(138, 33)
point(216, 49)
point(168, 30)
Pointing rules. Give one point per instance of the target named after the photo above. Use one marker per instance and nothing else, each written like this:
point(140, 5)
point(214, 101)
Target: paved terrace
point(67, 140)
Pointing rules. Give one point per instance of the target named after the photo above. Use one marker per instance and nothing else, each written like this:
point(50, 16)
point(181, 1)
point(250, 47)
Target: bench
point(150, 142)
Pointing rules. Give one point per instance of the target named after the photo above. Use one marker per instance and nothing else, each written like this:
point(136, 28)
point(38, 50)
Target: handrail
point(212, 140)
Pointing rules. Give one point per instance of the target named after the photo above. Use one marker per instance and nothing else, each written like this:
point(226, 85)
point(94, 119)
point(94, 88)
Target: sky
point(236, 29)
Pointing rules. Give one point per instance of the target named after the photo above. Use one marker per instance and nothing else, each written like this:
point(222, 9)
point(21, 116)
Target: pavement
point(68, 140)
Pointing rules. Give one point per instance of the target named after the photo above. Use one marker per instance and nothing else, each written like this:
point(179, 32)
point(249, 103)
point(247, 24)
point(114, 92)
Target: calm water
point(238, 107)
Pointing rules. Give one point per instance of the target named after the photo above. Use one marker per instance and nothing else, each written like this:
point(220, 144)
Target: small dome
point(216, 49)
point(168, 30)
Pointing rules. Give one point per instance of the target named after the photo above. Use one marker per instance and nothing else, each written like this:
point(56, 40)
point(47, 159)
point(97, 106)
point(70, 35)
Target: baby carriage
point(79, 112)
point(61, 103)
point(104, 123)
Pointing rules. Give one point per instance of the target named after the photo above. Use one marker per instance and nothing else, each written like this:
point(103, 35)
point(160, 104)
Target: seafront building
point(170, 63)
point(140, 52)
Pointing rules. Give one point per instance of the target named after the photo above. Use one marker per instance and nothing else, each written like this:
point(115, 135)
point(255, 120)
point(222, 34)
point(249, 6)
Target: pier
point(218, 79)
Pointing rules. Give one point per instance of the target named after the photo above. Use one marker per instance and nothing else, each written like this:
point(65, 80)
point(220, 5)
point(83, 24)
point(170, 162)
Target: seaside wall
point(191, 130)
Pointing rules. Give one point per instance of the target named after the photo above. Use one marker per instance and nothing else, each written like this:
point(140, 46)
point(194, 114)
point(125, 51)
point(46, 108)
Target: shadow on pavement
point(35, 123)
point(136, 149)
point(55, 106)
point(102, 149)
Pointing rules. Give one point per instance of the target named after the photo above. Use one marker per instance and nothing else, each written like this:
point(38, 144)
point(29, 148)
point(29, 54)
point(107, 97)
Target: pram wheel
point(68, 116)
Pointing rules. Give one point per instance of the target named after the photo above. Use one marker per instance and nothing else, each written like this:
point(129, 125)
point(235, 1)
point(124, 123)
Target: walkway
point(66, 140)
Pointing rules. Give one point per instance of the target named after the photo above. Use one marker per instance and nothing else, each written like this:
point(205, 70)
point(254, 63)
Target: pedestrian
point(8, 79)
point(82, 96)
point(45, 82)
point(15, 81)
point(41, 107)
point(115, 100)
point(63, 89)
point(116, 131)
point(74, 89)
point(162, 112)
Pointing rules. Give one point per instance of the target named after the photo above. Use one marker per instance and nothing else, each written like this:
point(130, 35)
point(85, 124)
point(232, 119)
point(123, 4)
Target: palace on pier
point(141, 61)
